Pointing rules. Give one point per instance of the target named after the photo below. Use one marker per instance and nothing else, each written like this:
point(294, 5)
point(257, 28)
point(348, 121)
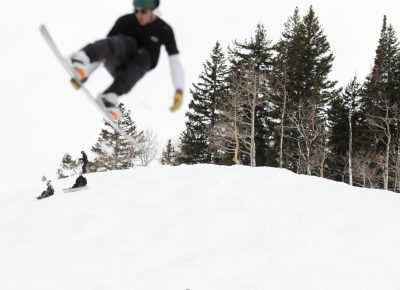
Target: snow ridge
point(200, 227)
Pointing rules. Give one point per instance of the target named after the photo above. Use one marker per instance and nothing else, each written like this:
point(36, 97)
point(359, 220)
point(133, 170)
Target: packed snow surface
point(200, 228)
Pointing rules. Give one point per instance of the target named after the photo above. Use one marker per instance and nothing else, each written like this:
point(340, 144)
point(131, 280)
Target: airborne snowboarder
point(131, 49)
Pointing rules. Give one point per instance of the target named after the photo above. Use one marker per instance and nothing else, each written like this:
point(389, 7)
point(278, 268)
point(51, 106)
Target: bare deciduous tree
point(279, 89)
point(311, 134)
point(366, 169)
point(225, 134)
point(235, 129)
point(382, 122)
point(148, 148)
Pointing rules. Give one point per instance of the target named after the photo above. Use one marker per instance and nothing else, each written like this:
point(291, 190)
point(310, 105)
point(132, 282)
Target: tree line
point(261, 103)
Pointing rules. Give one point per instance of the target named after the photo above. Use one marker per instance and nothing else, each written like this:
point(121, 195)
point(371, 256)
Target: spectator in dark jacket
point(85, 161)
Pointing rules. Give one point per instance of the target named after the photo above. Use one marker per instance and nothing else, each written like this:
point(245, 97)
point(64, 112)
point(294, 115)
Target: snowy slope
point(201, 228)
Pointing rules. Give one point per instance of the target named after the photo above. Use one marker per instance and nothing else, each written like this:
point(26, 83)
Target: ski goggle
point(141, 11)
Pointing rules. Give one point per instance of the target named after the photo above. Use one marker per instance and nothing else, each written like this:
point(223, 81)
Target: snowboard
point(68, 68)
point(42, 197)
point(66, 190)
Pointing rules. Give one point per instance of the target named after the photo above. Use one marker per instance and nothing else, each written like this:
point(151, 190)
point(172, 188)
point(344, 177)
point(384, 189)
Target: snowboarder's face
point(144, 16)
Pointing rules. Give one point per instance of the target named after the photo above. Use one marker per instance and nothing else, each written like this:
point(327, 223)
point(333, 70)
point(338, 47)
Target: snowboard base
point(75, 189)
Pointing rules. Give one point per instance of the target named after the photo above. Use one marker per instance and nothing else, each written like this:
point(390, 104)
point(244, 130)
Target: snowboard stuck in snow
point(53, 47)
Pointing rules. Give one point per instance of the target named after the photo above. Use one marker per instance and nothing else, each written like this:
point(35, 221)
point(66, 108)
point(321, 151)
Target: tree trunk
point(308, 161)
point(236, 157)
point(322, 165)
point(396, 182)
point(253, 143)
point(282, 128)
point(350, 148)
point(386, 171)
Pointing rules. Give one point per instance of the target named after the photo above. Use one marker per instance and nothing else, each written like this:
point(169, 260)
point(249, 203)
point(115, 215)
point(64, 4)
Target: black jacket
point(80, 181)
point(50, 190)
point(150, 37)
point(84, 158)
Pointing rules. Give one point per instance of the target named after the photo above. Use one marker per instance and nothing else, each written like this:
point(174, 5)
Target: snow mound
point(200, 228)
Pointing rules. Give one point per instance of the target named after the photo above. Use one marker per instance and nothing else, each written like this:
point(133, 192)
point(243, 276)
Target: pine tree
point(68, 167)
point(347, 121)
point(286, 85)
point(305, 60)
point(112, 151)
point(202, 114)
point(255, 55)
point(168, 155)
point(384, 78)
point(382, 89)
point(318, 59)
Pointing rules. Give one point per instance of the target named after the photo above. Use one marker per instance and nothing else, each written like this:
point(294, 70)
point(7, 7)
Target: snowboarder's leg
point(125, 78)
point(117, 50)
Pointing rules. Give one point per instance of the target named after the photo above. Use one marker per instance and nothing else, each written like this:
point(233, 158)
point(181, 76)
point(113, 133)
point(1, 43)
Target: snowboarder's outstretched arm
point(178, 79)
point(177, 73)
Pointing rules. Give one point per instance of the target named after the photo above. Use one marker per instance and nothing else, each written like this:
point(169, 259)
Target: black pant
point(123, 59)
point(84, 169)
point(47, 193)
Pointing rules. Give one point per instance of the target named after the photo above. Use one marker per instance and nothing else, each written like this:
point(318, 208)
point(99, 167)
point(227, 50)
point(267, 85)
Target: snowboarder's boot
point(80, 62)
point(109, 102)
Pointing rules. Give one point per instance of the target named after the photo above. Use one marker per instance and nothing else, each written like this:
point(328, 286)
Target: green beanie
point(144, 4)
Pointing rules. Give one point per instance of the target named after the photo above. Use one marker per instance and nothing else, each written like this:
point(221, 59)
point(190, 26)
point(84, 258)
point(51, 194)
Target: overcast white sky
point(42, 117)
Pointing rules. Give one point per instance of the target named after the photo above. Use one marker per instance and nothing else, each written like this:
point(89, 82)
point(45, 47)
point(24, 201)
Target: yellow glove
point(178, 100)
